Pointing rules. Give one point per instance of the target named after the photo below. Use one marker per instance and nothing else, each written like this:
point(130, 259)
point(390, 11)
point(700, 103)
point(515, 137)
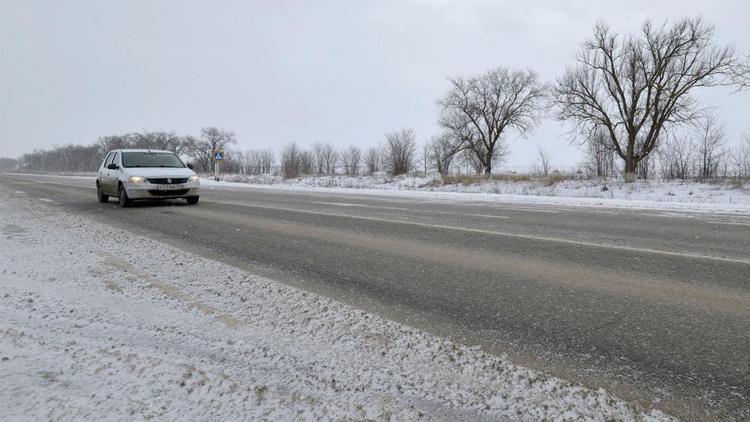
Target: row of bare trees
point(624, 97)
point(8, 164)
point(397, 156)
point(80, 158)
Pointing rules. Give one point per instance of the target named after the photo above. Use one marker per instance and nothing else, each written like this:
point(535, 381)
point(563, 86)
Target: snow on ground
point(98, 323)
point(659, 195)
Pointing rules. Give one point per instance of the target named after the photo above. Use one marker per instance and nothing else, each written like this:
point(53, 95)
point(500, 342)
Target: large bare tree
point(478, 111)
point(636, 87)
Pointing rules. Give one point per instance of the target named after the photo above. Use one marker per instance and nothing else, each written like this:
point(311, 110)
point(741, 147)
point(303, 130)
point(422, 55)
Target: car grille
point(165, 181)
point(168, 192)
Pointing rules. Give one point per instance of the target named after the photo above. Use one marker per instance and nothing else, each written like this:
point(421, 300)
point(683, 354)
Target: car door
point(102, 176)
point(110, 175)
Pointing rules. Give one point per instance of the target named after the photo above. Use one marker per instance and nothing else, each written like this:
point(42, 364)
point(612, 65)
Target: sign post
point(218, 157)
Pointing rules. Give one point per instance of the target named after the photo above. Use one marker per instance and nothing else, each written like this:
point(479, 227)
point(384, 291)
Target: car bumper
point(152, 191)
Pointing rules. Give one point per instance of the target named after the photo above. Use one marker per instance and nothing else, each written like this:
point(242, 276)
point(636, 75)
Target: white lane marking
point(19, 191)
point(498, 233)
point(601, 212)
point(516, 208)
point(730, 223)
point(485, 215)
point(347, 204)
point(343, 204)
point(48, 200)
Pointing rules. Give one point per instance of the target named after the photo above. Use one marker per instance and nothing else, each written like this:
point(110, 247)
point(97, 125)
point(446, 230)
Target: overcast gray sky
point(280, 71)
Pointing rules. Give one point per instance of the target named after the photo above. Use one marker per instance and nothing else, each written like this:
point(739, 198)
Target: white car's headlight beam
point(194, 179)
point(137, 179)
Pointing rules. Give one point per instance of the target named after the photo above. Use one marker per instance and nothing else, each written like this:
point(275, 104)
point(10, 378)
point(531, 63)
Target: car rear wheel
point(192, 200)
point(122, 197)
point(100, 195)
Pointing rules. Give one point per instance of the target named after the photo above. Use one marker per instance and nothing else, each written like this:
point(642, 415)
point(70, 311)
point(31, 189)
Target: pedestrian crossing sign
point(219, 156)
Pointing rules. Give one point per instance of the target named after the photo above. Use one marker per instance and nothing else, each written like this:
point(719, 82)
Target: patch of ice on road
point(98, 323)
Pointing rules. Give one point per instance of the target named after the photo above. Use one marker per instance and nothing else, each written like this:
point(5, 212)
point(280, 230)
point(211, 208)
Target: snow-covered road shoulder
point(98, 323)
point(674, 196)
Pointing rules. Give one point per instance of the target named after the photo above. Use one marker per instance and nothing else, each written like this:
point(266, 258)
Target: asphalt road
point(654, 306)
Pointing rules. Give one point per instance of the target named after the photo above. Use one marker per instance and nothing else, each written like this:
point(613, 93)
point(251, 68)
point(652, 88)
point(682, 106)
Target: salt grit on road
point(97, 323)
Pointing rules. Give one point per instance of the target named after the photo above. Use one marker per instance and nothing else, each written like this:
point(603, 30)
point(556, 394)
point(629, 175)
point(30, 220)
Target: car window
point(151, 159)
point(107, 159)
point(115, 158)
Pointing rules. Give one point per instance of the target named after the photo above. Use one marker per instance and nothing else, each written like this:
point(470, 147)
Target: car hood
point(158, 172)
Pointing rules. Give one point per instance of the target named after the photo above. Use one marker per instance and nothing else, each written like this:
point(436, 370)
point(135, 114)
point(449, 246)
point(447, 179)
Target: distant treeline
point(86, 158)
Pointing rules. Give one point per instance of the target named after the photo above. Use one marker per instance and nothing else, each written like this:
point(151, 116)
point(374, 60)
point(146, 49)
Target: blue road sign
point(219, 156)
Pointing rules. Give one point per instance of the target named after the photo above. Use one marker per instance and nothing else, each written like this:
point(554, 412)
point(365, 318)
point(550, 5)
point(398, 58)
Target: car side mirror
point(190, 166)
point(112, 166)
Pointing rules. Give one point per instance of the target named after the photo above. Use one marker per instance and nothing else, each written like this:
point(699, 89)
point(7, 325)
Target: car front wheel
point(100, 194)
point(122, 196)
point(192, 200)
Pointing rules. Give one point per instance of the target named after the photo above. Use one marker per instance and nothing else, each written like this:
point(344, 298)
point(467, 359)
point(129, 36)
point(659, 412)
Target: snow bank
point(98, 323)
point(653, 195)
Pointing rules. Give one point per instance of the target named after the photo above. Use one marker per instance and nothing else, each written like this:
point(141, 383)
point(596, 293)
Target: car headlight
point(194, 179)
point(137, 179)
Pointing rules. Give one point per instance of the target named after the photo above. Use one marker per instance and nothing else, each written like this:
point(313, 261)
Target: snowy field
point(97, 323)
point(662, 195)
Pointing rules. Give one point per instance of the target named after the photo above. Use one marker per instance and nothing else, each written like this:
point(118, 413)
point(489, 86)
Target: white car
point(142, 174)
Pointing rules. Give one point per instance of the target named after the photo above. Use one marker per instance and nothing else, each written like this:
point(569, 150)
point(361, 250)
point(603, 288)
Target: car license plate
point(170, 187)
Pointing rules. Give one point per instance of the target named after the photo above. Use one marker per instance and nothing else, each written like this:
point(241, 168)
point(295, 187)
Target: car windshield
point(150, 159)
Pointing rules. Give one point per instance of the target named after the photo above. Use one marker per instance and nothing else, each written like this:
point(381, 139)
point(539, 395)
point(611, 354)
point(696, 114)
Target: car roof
point(142, 150)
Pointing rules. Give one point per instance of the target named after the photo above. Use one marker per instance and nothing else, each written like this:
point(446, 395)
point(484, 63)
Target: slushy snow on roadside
point(98, 323)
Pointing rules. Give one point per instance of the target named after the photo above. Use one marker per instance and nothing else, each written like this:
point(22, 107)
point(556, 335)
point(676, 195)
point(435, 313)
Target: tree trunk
point(631, 165)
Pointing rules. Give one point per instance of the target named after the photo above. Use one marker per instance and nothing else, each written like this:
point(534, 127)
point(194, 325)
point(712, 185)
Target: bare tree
point(709, 143)
point(290, 161)
point(202, 149)
point(344, 160)
point(164, 140)
point(108, 143)
point(372, 160)
point(401, 148)
point(326, 158)
point(637, 87)
point(266, 160)
point(214, 139)
point(425, 157)
point(741, 158)
point(676, 156)
point(351, 158)
point(198, 151)
point(544, 160)
point(478, 111)
point(442, 153)
point(470, 160)
point(318, 152)
point(600, 156)
point(306, 162)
